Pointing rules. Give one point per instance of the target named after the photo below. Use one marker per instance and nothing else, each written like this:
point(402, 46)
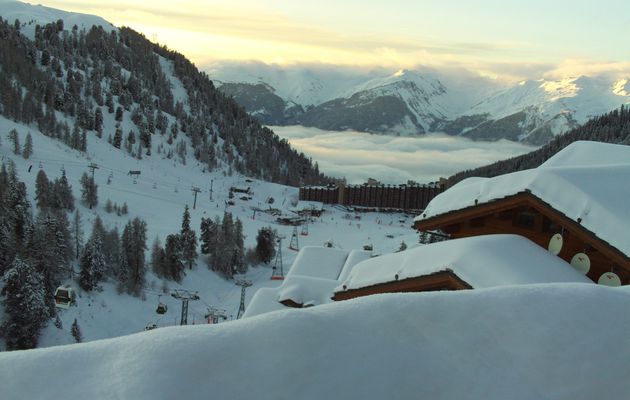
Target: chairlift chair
point(161, 307)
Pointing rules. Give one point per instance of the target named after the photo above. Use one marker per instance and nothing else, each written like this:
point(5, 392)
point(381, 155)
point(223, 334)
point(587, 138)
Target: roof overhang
point(442, 280)
point(525, 198)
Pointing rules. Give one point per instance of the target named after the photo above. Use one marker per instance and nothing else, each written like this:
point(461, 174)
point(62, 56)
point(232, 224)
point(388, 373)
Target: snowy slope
point(159, 196)
point(31, 15)
point(556, 341)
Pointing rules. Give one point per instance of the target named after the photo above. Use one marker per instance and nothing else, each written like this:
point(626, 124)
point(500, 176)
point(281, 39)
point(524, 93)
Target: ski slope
point(159, 196)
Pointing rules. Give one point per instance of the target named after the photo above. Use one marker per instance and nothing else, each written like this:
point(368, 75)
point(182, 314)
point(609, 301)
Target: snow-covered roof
point(307, 290)
point(556, 341)
point(311, 281)
point(263, 301)
point(480, 261)
point(309, 205)
point(319, 262)
point(355, 257)
point(586, 180)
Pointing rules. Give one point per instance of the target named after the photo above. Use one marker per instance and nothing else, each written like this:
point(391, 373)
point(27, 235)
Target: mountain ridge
point(63, 78)
point(532, 111)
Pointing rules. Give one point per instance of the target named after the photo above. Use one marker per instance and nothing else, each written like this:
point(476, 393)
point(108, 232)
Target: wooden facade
point(529, 216)
point(400, 197)
point(443, 280)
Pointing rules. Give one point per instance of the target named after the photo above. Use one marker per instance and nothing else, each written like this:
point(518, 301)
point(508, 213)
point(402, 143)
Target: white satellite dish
point(609, 279)
point(581, 262)
point(555, 244)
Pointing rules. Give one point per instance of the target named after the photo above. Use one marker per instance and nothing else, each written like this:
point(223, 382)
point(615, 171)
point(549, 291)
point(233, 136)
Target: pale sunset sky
point(499, 38)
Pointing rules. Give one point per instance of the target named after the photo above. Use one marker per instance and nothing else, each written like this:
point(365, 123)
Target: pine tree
point(98, 122)
point(112, 252)
point(89, 190)
point(188, 238)
point(208, 236)
point(77, 233)
point(25, 305)
point(133, 247)
point(18, 212)
point(15, 138)
point(62, 193)
point(64, 233)
point(265, 245)
point(76, 331)
point(117, 138)
point(76, 137)
point(42, 190)
point(157, 259)
point(222, 260)
point(28, 147)
point(83, 142)
point(173, 259)
point(109, 207)
point(58, 323)
point(50, 250)
point(92, 264)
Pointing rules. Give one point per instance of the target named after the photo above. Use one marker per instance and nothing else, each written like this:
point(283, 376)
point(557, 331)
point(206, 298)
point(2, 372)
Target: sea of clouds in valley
point(394, 159)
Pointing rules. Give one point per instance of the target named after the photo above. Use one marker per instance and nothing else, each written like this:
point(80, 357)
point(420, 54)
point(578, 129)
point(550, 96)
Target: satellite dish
point(609, 279)
point(581, 262)
point(555, 244)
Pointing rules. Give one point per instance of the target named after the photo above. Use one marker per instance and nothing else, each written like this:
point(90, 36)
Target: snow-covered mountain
point(418, 101)
point(30, 15)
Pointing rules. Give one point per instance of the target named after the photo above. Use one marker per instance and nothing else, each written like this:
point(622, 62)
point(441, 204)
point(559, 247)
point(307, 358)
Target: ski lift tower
point(305, 228)
point(294, 240)
point(185, 296)
point(278, 272)
point(244, 284)
point(214, 314)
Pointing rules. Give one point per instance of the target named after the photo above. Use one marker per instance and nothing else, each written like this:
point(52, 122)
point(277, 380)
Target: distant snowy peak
point(30, 15)
point(585, 96)
point(402, 78)
point(304, 86)
point(413, 102)
point(537, 110)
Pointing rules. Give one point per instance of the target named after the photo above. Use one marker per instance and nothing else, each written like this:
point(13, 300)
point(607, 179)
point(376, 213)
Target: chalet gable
point(578, 193)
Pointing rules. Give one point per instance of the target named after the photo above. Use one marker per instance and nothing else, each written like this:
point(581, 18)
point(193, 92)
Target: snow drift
point(560, 341)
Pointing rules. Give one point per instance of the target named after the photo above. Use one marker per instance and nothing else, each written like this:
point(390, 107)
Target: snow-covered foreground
point(554, 341)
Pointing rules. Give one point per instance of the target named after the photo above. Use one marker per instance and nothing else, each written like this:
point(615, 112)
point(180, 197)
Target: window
point(526, 219)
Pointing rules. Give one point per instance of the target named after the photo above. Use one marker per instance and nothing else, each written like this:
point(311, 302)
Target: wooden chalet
point(468, 263)
point(577, 195)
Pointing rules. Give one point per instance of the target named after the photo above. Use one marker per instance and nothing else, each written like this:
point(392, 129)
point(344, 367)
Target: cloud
point(391, 159)
point(208, 31)
point(577, 67)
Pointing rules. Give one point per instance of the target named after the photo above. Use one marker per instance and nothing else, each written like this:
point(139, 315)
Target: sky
point(358, 156)
point(500, 39)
